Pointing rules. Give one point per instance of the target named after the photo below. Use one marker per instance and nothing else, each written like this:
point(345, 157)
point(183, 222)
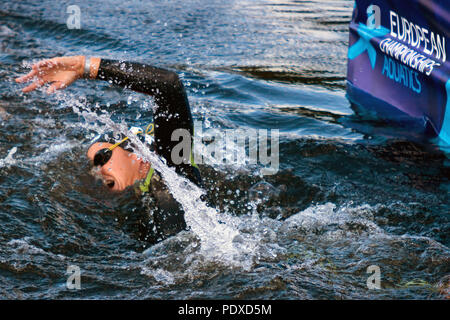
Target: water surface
point(352, 190)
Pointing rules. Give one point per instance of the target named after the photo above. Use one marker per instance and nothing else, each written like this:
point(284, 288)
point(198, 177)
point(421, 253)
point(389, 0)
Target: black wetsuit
point(172, 113)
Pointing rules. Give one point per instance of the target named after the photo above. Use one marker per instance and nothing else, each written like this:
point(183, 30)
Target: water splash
point(9, 160)
point(333, 223)
point(219, 234)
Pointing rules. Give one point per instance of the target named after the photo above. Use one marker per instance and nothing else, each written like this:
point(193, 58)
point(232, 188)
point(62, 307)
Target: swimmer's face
point(121, 171)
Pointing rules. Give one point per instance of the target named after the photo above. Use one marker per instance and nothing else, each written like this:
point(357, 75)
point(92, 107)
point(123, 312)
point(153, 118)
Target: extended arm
point(172, 110)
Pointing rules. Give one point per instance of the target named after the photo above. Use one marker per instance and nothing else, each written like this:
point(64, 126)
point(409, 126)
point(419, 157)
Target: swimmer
point(118, 167)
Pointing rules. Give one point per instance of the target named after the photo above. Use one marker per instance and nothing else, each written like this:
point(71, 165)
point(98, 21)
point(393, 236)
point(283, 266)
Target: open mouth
point(96, 173)
point(109, 183)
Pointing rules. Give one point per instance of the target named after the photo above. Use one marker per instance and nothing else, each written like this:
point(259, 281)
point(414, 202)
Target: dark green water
point(351, 191)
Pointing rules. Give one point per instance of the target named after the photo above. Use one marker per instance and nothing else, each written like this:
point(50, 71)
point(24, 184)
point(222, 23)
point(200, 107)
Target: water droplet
point(263, 189)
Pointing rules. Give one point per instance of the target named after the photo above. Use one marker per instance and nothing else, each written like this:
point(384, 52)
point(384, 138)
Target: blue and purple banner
point(398, 59)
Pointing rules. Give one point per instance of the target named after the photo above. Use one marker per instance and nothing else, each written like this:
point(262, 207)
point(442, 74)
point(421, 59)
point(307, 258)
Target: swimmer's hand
point(60, 72)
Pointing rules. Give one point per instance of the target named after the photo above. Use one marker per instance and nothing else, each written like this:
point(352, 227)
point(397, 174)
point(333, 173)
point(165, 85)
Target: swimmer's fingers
point(46, 64)
point(37, 84)
point(57, 85)
point(27, 77)
point(61, 82)
point(60, 71)
point(38, 71)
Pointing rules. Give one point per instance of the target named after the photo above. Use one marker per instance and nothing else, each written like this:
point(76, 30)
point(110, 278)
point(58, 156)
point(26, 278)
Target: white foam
point(22, 246)
point(332, 223)
point(160, 275)
point(9, 160)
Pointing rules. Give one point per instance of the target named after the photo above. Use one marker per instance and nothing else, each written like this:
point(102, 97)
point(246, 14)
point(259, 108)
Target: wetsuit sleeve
point(172, 111)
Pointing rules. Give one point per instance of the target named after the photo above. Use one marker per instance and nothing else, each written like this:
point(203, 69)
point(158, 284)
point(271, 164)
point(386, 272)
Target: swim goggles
point(102, 156)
